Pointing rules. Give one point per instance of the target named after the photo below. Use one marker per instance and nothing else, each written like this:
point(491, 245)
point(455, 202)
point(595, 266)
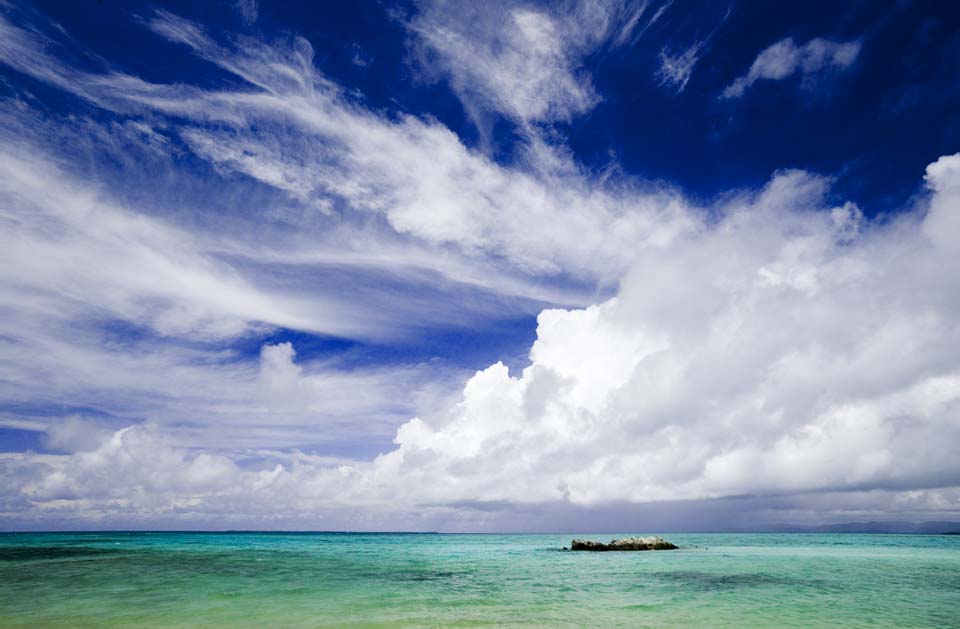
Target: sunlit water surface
point(313, 580)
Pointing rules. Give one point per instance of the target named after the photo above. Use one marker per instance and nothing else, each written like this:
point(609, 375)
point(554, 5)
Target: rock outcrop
point(629, 543)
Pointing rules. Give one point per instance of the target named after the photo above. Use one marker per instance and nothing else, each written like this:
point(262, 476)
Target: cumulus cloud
point(74, 434)
point(785, 58)
point(790, 348)
point(141, 467)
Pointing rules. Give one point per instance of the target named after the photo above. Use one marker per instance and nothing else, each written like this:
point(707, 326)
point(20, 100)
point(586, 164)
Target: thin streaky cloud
point(785, 58)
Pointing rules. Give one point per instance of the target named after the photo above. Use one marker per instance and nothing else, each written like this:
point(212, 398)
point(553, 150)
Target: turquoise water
point(316, 580)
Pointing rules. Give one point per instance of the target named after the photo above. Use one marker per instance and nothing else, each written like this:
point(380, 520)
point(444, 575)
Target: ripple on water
point(711, 581)
point(29, 553)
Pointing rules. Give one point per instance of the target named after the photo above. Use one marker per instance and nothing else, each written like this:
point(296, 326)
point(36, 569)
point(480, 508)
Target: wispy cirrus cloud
point(523, 61)
point(317, 145)
point(638, 18)
point(676, 65)
point(676, 69)
point(520, 61)
point(462, 199)
point(248, 10)
point(785, 58)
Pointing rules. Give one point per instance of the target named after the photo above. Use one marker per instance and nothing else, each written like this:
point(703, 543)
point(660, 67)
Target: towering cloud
point(791, 347)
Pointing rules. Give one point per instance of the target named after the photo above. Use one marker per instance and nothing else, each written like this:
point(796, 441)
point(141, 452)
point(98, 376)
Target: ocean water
point(370, 580)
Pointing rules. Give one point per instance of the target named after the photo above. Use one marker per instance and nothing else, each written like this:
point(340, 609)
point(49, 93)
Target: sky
point(510, 266)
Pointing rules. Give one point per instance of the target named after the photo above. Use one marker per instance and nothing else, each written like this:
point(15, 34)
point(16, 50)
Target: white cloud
point(544, 216)
point(65, 241)
point(633, 26)
point(248, 10)
point(676, 67)
point(74, 434)
point(942, 224)
point(773, 354)
point(784, 59)
point(76, 266)
point(676, 70)
point(142, 469)
point(521, 61)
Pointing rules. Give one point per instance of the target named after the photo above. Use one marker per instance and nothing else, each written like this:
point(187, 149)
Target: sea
point(143, 579)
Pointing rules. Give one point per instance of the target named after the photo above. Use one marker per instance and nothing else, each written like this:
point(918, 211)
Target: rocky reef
point(629, 543)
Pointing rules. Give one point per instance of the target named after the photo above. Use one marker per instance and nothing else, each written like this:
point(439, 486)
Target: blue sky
point(422, 265)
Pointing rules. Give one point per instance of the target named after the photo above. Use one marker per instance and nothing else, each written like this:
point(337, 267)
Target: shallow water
point(299, 580)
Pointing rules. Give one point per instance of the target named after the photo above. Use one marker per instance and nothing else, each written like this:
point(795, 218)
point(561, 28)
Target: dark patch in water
point(27, 553)
point(439, 575)
point(708, 581)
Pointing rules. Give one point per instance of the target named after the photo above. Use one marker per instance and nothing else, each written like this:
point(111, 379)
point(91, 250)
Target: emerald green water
point(313, 580)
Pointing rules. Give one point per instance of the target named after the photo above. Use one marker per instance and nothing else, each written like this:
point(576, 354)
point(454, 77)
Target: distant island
point(883, 526)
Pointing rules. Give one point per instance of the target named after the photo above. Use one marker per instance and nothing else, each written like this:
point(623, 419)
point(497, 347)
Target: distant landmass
point(914, 528)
